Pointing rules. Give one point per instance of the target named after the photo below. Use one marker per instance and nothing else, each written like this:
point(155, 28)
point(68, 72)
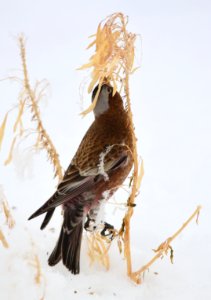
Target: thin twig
point(3, 239)
point(6, 209)
point(164, 247)
point(38, 269)
point(131, 200)
point(113, 61)
point(9, 218)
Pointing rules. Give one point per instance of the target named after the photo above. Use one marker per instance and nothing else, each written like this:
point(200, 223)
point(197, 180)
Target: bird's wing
point(70, 187)
point(106, 160)
point(77, 181)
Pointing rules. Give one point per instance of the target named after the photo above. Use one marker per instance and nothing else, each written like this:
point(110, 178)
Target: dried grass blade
point(2, 129)
point(9, 158)
point(3, 240)
point(92, 106)
point(165, 246)
point(9, 219)
point(140, 176)
point(20, 113)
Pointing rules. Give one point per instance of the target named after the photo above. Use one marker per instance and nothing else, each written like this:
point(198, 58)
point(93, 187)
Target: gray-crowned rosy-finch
point(100, 165)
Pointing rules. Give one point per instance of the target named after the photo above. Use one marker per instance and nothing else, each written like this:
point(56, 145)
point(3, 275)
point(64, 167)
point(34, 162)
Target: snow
point(177, 281)
point(101, 169)
point(171, 104)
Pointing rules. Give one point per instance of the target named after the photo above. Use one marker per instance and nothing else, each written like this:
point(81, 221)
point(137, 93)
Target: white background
point(171, 103)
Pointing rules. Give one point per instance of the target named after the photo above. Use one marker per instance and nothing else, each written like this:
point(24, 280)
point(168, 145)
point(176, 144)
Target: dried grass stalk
point(37, 266)
point(98, 249)
point(3, 239)
point(34, 261)
point(10, 154)
point(8, 215)
point(6, 209)
point(9, 218)
point(43, 139)
point(165, 247)
point(114, 54)
point(38, 277)
point(29, 98)
point(2, 129)
point(113, 61)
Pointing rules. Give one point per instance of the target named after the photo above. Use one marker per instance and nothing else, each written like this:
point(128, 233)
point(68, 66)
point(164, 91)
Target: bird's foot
point(90, 224)
point(105, 229)
point(108, 231)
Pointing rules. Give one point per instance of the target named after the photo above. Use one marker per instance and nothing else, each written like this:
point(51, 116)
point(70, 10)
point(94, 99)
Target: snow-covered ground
point(171, 100)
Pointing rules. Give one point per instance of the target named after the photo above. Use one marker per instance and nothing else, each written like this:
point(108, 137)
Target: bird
point(99, 167)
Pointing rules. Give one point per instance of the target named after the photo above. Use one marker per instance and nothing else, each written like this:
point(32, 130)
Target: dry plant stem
point(38, 269)
point(3, 239)
point(163, 248)
point(50, 147)
point(129, 213)
point(6, 209)
point(113, 62)
point(9, 218)
point(2, 129)
point(98, 250)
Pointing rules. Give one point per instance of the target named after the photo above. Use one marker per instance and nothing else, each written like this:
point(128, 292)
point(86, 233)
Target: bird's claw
point(90, 224)
point(108, 231)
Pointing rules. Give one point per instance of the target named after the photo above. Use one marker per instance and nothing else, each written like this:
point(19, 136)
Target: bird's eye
point(110, 89)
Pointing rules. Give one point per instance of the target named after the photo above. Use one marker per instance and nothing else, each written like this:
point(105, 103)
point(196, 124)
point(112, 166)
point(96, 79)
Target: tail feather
point(68, 247)
point(71, 248)
point(47, 218)
point(55, 256)
point(43, 209)
point(50, 204)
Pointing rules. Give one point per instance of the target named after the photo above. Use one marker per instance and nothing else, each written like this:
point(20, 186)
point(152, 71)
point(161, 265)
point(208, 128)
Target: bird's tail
point(68, 246)
point(47, 218)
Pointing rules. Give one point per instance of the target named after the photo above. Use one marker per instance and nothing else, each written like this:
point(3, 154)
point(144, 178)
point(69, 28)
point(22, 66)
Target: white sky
point(171, 97)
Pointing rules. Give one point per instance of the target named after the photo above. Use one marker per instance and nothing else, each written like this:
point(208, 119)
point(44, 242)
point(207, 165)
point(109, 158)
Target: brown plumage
point(101, 164)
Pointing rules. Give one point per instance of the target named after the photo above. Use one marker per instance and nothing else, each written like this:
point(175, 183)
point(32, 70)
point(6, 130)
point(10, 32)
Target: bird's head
point(106, 100)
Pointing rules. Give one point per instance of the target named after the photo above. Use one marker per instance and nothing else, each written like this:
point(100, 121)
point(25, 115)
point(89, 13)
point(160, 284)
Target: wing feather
point(75, 182)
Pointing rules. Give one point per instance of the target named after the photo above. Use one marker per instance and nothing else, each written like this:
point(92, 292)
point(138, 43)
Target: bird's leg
point(90, 224)
point(92, 221)
point(106, 229)
point(94, 224)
